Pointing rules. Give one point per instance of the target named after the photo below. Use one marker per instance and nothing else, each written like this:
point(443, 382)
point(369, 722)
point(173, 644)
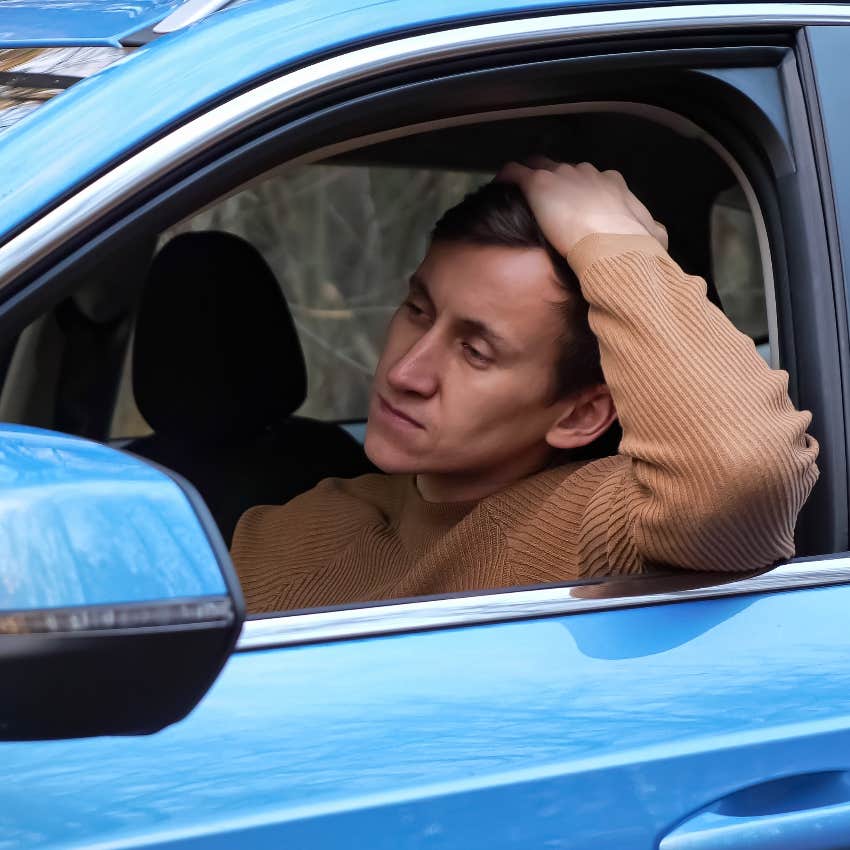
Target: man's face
point(465, 378)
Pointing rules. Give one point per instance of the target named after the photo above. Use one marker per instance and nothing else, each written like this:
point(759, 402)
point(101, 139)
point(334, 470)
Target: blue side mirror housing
point(118, 602)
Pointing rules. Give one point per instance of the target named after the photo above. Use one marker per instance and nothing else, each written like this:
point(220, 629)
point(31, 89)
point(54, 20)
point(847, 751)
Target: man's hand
point(574, 201)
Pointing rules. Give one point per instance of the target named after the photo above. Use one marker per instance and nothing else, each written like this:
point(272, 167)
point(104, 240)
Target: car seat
point(218, 372)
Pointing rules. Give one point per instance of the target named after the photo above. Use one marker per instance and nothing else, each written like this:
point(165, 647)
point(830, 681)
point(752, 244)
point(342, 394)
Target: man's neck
point(474, 486)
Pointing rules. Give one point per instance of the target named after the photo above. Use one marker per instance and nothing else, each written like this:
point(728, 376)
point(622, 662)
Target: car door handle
point(805, 812)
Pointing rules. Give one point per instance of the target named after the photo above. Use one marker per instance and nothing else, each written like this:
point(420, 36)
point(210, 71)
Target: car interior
point(236, 347)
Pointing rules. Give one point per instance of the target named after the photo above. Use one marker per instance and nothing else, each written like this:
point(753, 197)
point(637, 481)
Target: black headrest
point(216, 354)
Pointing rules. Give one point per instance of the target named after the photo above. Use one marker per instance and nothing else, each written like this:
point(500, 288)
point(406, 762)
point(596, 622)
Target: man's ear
point(582, 417)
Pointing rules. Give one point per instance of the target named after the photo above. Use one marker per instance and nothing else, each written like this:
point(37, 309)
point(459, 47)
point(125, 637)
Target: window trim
point(609, 594)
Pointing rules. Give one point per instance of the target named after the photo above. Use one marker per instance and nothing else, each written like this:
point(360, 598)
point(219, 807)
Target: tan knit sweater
point(713, 468)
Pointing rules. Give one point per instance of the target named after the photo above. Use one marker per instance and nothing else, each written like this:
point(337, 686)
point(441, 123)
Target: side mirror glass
point(118, 602)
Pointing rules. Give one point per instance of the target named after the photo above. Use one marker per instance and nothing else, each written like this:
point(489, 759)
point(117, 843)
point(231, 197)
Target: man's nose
point(417, 371)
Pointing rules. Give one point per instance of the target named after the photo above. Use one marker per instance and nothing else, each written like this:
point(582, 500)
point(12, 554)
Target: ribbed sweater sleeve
point(717, 459)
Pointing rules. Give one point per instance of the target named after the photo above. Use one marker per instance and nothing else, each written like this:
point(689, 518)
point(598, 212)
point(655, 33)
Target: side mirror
point(118, 602)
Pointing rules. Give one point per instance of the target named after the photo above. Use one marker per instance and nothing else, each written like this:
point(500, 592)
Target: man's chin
point(387, 457)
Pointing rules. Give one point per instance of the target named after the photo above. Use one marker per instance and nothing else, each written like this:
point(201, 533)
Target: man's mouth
point(396, 415)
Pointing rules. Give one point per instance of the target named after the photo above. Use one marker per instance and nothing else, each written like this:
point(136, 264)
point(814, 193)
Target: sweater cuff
point(598, 246)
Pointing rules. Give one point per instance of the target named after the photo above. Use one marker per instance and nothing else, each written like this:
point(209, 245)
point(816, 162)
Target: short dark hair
point(498, 214)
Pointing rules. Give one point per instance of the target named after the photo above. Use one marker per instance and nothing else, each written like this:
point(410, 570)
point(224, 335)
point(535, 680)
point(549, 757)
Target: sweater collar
point(422, 523)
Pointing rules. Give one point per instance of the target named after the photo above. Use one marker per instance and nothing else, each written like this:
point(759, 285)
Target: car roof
point(41, 23)
point(46, 23)
point(96, 121)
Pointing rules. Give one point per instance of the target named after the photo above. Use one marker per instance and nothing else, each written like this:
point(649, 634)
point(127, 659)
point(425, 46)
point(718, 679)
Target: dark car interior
point(678, 178)
point(198, 329)
point(213, 336)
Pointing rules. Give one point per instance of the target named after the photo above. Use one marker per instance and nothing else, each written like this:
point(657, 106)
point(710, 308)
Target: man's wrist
point(611, 225)
point(597, 246)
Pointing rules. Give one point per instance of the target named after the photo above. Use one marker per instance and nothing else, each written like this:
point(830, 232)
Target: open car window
point(341, 238)
point(737, 268)
point(342, 241)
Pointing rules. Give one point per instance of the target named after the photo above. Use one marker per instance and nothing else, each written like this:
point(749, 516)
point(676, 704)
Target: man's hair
point(498, 214)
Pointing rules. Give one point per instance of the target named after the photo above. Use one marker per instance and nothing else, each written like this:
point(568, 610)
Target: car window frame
point(328, 155)
point(420, 614)
point(75, 219)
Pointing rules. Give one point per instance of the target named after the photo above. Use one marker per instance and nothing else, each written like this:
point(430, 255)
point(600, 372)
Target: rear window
point(737, 268)
point(342, 241)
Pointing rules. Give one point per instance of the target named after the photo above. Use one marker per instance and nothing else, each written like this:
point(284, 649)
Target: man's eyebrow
point(418, 285)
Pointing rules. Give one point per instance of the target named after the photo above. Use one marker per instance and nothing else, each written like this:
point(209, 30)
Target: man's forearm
point(721, 463)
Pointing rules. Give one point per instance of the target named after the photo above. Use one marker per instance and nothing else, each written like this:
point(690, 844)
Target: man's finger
point(537, 160)
point(517, 173)
point(586, 168)
point(617, 177)
point(513, 172)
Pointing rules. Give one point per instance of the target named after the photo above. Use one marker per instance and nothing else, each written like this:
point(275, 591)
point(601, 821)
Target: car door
point(666, 711)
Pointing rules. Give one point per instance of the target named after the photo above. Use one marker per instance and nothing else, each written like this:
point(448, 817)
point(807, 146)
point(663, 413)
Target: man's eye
point(475, 355)
point(413, 310)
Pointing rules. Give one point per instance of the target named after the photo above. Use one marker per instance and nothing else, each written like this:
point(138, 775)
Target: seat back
point(218, 372)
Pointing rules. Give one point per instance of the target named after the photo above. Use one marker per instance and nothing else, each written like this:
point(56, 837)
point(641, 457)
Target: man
point(490, 382)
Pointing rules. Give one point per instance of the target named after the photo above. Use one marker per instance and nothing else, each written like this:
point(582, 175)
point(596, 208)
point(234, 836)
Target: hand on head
point(574, 201)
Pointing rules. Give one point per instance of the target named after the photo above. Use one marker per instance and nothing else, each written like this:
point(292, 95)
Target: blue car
point(206, 212)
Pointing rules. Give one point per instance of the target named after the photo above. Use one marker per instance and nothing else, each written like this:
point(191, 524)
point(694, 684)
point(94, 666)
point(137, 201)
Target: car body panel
point(98, 121)
point(44, 156)
point(41, 23)
point(601, 729)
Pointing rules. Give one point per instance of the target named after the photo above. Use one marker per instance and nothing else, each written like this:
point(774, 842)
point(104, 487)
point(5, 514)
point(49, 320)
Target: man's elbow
point(759, 501)
point(775, 478)
point(738, 518)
